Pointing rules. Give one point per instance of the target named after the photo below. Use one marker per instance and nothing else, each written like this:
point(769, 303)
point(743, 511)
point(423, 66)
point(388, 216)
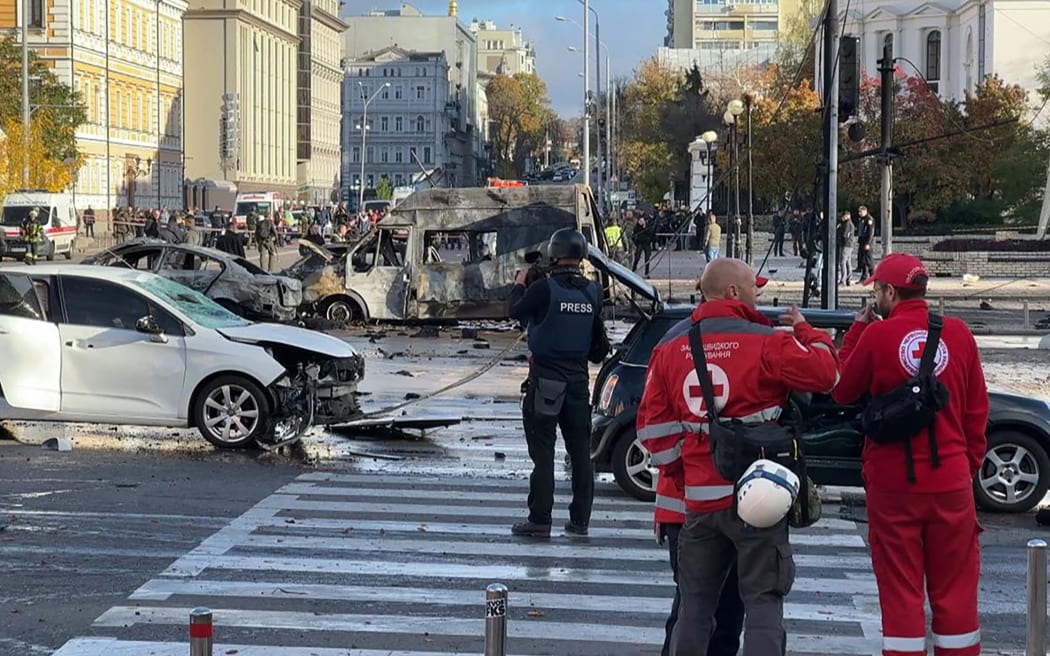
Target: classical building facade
point(409, 124)
point(502, 51)
point(244, 59)
point(124, 57)
point(955, 43)
point(319, 78)
point(411, 31)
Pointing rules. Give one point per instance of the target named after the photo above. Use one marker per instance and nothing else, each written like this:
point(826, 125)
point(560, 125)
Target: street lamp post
point(364, 152)
point(749, 103)
point(25, 94)
point(709, 138)
point(733, 110)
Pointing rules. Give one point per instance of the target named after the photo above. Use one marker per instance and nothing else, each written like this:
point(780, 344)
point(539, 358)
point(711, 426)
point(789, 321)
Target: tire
point(1014, 474)
point(69, 251)
point(232, 412)
point(631, 468)
point(343, 310)
point(50, 251)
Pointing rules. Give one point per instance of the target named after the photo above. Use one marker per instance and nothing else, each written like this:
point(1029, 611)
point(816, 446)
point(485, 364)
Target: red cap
point(899, 270)
point(761, 281)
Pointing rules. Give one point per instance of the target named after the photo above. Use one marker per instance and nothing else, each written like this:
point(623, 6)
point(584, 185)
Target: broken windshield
point(196, 306)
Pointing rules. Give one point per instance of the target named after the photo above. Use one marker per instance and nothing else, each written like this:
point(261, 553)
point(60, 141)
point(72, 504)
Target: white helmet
point(765, 493)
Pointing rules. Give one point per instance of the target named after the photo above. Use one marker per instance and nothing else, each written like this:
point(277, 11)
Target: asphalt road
point(354, 545)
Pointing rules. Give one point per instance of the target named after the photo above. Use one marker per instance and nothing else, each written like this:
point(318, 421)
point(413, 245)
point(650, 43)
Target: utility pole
point(25, 94)
point(748, 105)
point(607, 165)
point(586, 97)
point(1044, 213)
point(829, 277)
point(886, 202)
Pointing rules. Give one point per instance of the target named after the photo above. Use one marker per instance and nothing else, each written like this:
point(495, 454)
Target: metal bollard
point(1036, 642)
point(1027, 316)
point(201, 632)
point(496, 620)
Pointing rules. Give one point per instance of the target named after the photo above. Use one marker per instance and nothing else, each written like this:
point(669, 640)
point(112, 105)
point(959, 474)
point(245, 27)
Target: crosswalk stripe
point(162, 590)
point(393, 558)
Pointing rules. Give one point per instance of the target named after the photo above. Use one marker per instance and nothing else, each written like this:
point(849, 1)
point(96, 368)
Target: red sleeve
point(975, 410)
point(805, 361)
point(850, 339)
point(857, 365)
point(659, 424)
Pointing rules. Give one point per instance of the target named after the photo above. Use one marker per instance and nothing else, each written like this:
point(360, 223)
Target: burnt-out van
point(444, 254)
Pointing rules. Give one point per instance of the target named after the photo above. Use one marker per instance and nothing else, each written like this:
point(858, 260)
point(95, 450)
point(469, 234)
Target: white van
point(56, 216)
point(263, 202)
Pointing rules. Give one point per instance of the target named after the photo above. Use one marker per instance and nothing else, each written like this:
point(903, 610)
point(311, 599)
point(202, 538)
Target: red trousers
point(926, 543)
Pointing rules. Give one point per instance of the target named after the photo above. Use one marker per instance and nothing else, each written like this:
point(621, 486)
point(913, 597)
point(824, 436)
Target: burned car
point(233, 282)
point(118, 346)
point(443, 254)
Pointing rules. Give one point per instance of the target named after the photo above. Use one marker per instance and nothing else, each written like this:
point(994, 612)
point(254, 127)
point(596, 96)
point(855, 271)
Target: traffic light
point(229, 127)
point(849, 78)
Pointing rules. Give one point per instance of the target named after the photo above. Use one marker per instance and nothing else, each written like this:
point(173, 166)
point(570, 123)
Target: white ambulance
point(263, 202)
point(56, 215)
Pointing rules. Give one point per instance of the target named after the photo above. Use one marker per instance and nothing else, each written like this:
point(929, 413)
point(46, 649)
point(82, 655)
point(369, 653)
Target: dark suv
point(1014, 477)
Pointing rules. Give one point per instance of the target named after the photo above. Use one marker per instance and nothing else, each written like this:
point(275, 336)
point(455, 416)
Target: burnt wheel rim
point(1009, 474)
point(340, 311)
point(231, 413)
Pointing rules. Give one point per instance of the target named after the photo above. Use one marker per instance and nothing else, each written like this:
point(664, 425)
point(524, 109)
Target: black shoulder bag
point(900, 414)
point(735, 446)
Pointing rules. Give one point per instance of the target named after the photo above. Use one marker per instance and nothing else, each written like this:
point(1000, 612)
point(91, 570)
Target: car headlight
point(608, 389)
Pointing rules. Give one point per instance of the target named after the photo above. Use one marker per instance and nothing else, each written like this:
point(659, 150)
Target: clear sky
point(633, 30)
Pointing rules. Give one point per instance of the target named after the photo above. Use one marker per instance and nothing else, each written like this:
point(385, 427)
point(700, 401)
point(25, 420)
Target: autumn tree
point(47, 93)
point(44, 172)
point(519, 114)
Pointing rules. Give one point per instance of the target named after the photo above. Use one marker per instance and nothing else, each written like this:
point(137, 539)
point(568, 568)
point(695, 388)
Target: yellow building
point(125, 59)
point(320, 79)
point(245, 51)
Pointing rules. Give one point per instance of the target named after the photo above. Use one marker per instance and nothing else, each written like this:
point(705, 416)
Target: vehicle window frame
point(163, 316)
point(170, 252)
point(37, 304)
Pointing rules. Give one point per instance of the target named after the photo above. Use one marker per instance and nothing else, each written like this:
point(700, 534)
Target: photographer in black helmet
point(563, 314)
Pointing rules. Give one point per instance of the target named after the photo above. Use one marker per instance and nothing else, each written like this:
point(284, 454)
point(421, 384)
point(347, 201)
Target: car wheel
point(232, 412)
point(1014, 474)
point(50, 251)
point(342, 311)
point(632, 468)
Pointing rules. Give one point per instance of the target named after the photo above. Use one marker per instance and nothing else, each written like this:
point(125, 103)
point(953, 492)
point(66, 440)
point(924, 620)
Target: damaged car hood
point(308, 340)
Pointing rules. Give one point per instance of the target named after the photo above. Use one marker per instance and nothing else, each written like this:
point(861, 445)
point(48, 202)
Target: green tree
point(66, 109)
point(519, 114)
point(385, 189)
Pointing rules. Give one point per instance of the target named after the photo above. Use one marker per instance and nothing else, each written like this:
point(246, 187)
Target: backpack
point(263, 230)
point(735, 446)
point(901, 413)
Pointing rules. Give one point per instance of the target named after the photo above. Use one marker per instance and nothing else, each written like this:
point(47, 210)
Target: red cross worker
point(923, 526)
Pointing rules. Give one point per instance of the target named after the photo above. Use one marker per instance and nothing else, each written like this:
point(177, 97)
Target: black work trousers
point(708, 546)
point(574, 418)
point(642, 252)
point(729, 618)
point(865, 264)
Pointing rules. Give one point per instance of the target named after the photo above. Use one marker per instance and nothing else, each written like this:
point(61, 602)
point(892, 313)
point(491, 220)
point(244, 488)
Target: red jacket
point(670, 500)
point(874, 357)
point(753, 368)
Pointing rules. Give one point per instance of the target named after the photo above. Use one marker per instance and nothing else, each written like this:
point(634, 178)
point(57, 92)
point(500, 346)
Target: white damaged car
point(117, 346)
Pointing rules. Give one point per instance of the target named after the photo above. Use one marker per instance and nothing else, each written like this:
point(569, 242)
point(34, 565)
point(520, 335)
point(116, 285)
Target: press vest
point(566, 330)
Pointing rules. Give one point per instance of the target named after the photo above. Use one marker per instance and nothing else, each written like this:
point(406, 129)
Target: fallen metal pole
point(495, 620)
point(201, 633)
point(1036, 642)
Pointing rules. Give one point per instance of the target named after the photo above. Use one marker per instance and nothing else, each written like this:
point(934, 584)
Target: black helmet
point(567, 244)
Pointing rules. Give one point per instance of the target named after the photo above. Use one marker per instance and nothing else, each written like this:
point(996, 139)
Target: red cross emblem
point(919, 348)
point(694, 393)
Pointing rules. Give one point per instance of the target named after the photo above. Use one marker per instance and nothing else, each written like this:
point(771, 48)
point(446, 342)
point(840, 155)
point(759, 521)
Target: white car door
point(110, 369)
point(29, 347)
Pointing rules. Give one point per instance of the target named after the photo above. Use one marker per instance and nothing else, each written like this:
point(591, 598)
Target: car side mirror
point(149, 326)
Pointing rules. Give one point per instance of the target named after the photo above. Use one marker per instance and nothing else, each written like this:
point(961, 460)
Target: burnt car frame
point(233, 282)
point(443, 254)
point(1014, 477)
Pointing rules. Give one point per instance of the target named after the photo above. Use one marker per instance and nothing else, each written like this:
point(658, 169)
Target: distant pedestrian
point(89, 222)
point(795, 228)
point(779, 228)
point(713, 239)
point(865, 238)
point(845, 237)
point(266, 243)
